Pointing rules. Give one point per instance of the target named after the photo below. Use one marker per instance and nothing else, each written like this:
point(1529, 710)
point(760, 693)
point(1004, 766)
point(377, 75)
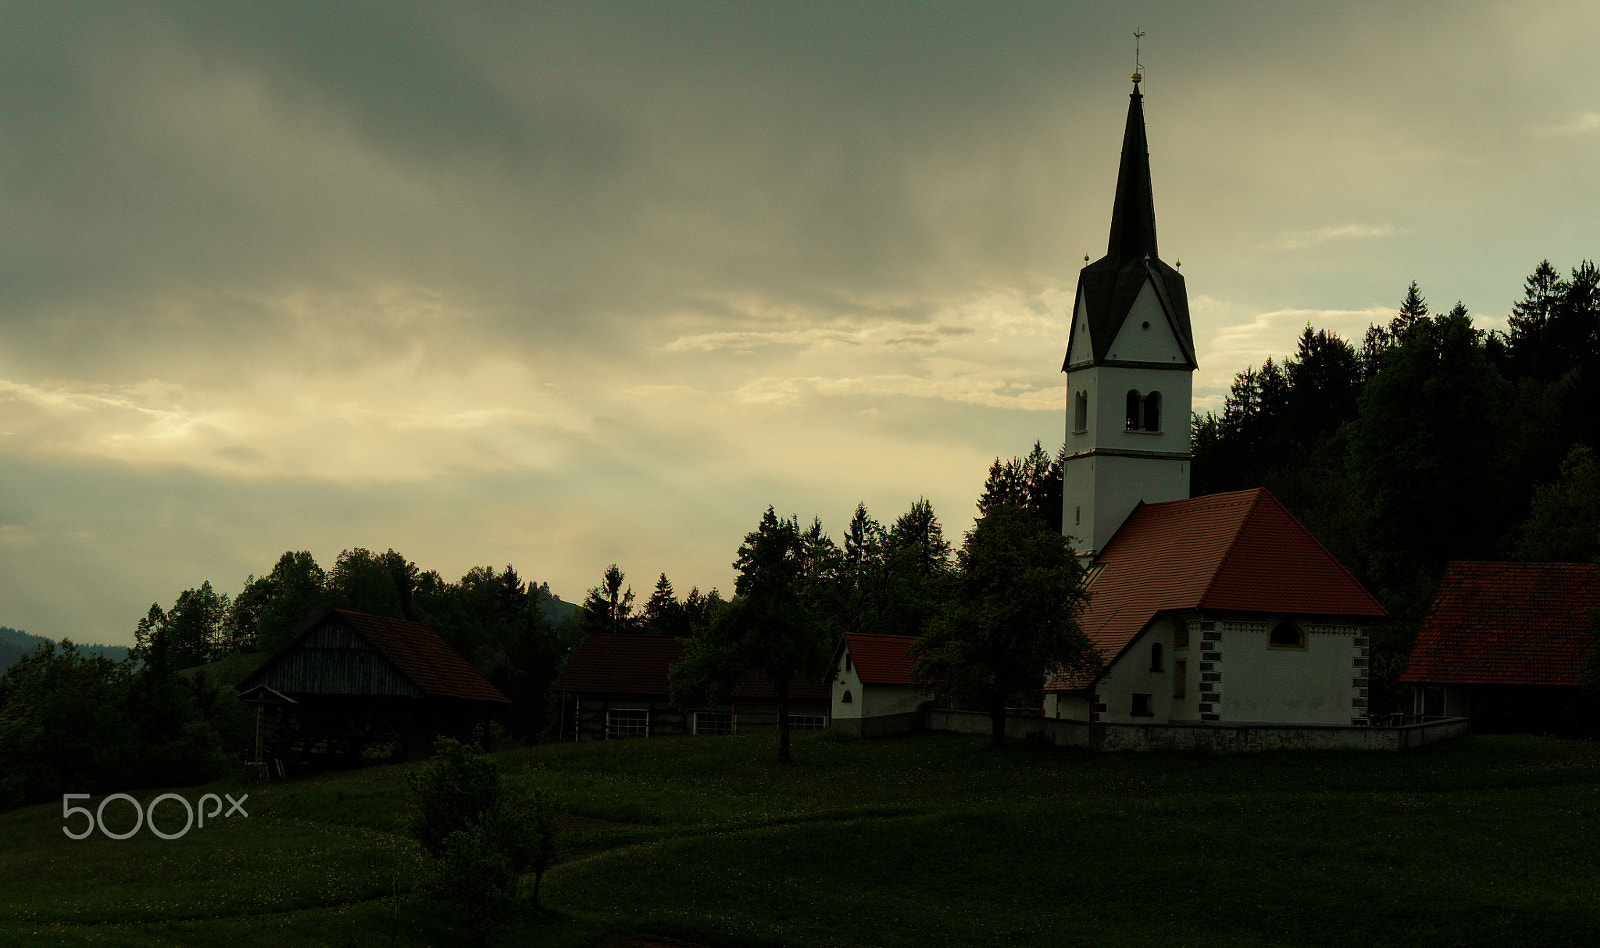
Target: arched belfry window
point(1133, 410)
point(847, 698)
point(1152, 412)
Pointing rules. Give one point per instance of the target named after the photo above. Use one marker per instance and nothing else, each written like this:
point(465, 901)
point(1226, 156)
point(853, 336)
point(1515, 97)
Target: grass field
point(931, 840)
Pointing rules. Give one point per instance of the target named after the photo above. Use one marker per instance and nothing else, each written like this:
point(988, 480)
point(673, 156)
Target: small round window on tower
point(1147, 324)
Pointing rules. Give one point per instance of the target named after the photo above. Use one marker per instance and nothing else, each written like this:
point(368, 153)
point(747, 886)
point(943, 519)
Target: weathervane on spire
point(1138, 68)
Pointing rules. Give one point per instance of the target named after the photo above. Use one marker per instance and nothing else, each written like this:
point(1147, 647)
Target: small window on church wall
point(1080, 412)
point(1152, 412)
point(1133, 411)
point(1155, 657)
point(1142, 707)
point(847, 699)
point(1287, 635)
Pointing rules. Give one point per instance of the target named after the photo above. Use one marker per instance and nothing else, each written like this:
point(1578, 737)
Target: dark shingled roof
point(1507, 624)
point(1235, 552)
point(638, 664)
point(1109, 286)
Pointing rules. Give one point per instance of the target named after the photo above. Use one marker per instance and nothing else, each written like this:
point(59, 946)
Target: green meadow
point(926, 840)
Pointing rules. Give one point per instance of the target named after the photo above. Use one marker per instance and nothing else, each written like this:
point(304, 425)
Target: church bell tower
point(1129, 365)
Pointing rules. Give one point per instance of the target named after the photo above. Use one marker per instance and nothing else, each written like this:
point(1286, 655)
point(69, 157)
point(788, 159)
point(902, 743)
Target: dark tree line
point(1430, 441)
point(991, 619)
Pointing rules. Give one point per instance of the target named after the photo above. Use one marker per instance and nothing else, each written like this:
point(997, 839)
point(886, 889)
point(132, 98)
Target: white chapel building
point(1209, 610)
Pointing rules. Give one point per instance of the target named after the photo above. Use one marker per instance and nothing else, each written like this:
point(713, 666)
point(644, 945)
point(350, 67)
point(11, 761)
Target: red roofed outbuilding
point(620, 689)
point(1221, 609)
point(1505, 643)
point(873, 691)
point(353, 680)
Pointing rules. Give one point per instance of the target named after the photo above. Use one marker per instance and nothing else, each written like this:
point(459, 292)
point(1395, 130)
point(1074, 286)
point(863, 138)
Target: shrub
point(483, 833)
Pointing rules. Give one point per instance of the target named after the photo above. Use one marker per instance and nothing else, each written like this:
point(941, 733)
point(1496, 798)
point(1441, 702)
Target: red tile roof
point(1507, 624)
point(638, 664)
point(420, 655)
point(881, 659)
point(1235, 552)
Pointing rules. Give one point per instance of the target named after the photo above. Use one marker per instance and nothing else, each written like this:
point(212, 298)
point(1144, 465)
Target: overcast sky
point(562, 285)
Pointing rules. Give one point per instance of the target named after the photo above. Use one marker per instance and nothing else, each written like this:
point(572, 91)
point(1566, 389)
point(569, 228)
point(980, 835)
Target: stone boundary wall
point(880, 725)
point(1218, 738)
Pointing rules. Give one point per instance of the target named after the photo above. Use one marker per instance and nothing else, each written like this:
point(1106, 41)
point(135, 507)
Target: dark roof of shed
point(881, 659)
point(638, 665)
point(1523, 624)
point(415, 650)
point(1234, 552)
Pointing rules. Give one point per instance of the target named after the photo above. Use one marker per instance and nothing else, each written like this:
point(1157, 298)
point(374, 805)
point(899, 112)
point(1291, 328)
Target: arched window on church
point(1133, 410)
point(1287, 634)
point(1080, 412)
point(1152, 412)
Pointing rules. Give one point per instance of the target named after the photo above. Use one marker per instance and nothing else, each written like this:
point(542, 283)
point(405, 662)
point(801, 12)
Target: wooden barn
point(352, 681)
point(618, 685)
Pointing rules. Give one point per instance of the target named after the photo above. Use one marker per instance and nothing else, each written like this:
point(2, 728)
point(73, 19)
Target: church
point(1208, 610)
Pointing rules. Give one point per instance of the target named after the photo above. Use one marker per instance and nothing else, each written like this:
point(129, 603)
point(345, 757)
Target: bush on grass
point(483, 833)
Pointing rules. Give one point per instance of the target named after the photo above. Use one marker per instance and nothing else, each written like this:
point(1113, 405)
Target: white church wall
point(1261, 682)
point(847, 682)
point(1137, 689)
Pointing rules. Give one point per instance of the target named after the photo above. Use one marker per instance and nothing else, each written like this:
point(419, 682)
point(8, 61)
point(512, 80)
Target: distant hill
point(14, 644)
point(555, 608)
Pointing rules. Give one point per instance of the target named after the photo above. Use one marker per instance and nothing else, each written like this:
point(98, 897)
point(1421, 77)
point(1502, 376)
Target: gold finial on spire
point(1138, 68)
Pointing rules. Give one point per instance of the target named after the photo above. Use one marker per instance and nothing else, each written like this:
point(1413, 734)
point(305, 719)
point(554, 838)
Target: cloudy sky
point(562, 285)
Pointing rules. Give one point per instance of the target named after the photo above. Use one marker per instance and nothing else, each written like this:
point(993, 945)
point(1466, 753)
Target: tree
point(1033, 483)
point(664, 614)
point(916, 571)
point(484, 832)
point(188, 634)
point(771, 625)
point(1012, 619)
point(1427, 455)
point(296, 594)
point(1564, 526)
point(378, 584)
point(608, 609)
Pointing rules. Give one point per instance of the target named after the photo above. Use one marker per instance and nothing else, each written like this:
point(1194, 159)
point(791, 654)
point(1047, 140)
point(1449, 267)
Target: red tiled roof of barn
point(881, 659)
point(1507, 624)
point(423, 657)
point(1234, 552)
point(638, 664)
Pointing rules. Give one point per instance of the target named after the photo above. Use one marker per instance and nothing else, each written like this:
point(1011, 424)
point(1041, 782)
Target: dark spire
point(1133, 217)
point(1109, 286)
